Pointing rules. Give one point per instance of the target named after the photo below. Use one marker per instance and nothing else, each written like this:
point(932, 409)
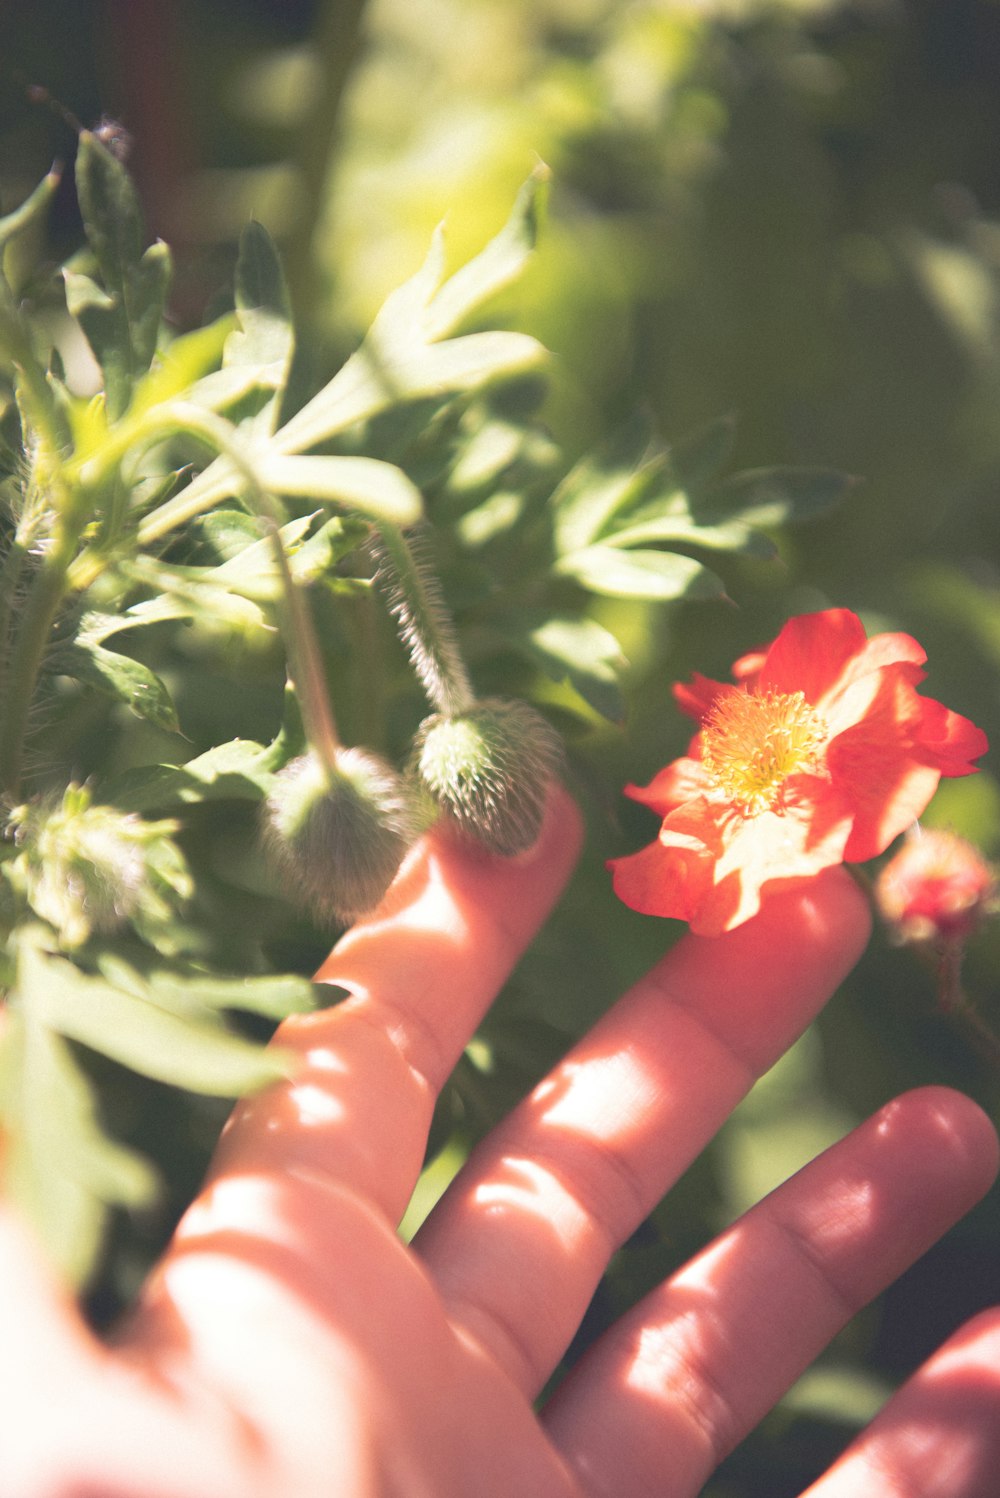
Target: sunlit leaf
point(273, 996)
point(378, 489)
point(640, 574)
point(582, 652)
point(240, 770)
point(195, 1054)
point(617, 475)
point(496, 266)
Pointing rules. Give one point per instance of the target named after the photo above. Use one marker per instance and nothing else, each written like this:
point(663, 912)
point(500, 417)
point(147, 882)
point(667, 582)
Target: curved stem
point(305, 660)
point(417, 604)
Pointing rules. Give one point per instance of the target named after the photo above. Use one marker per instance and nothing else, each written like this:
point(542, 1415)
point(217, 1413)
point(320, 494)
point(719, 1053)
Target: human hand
point(290, 1344)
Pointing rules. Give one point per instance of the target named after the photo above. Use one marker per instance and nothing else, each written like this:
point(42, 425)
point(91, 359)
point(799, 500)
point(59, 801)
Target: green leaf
point(652, 524)
point(500, 263)
point(120, 677)
point(264, 342)
point(403, 357)
point(122, 324)
point(696, 459)
point(378, 489)
point(32, 209)
point(271, 996)
point(640, 574)
point(241, 770)
point(582, 652)
point(59, 1166)
point(777, 496)
point(265, 332)
point(617, 476)
point(199, 1055)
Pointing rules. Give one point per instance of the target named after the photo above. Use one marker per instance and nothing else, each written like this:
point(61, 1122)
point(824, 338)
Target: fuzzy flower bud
point(87, 869)
point(489, 768)
point(338, 836)
point(937, 888)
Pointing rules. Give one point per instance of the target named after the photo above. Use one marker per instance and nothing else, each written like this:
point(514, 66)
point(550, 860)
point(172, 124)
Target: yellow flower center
point(752, 742)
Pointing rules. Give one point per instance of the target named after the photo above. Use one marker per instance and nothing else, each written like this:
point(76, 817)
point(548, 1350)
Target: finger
point(419, 974)
point(523, 1235)
point(683, 1377)
point(939, 1437)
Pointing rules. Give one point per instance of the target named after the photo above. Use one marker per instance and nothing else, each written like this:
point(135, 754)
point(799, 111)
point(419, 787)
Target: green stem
point(24, 662)
point(417, 604)
point(305, 659)
point(954, 1001)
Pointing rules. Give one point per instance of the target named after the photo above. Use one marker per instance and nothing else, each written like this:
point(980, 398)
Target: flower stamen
point(752, 742)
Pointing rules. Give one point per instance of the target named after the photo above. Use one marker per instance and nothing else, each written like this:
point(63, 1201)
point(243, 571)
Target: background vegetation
point(785, 213)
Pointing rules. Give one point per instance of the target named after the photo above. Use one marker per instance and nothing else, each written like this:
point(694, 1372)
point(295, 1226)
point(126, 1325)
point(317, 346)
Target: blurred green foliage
point(785, 212)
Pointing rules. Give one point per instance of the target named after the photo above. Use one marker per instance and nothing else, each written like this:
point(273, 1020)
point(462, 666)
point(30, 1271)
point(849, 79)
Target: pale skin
point(290, 1345)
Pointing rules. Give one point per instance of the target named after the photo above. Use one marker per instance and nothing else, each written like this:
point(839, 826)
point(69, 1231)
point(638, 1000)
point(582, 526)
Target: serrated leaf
point(662, 575)
point(120, 677)
point(498, 264)
point(776, 496)
point(400, 362)
point(407, 354)
point(198, 1055)
point(378, 489)
point(241, 770)
point(110, 209)
point(374, 379)
point(587, 655)
point(122, 331)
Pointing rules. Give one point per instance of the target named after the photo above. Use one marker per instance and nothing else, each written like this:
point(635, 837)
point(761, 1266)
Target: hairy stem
point(417, 604)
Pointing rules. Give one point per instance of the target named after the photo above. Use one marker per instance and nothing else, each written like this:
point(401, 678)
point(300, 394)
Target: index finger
point(419, 973)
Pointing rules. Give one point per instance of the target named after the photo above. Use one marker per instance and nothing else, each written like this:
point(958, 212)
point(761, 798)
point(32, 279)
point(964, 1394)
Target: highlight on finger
point(522, 1237)
point(939, 1437)
point(416, 976)
point(676, 1384)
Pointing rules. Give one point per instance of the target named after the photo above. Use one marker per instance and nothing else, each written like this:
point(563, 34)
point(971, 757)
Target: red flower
point(938, 887)
point(821, 754)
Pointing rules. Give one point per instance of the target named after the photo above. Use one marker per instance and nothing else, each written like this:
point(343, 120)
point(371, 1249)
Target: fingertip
point(937, 1118)
point(830, 914)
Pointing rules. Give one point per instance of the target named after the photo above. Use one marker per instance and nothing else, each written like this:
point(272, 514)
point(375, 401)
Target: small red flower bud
point(937, 888)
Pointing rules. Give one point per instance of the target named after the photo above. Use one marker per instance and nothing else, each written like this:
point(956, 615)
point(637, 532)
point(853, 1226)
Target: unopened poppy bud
point(338, 836)
point(937, 888)
point(489, 769)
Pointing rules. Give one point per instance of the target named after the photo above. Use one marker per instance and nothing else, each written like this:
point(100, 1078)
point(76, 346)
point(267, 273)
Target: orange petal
point(671, 787)
point(811, 652)
point(950, 741)
point(662, 881)
point(696, 696)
